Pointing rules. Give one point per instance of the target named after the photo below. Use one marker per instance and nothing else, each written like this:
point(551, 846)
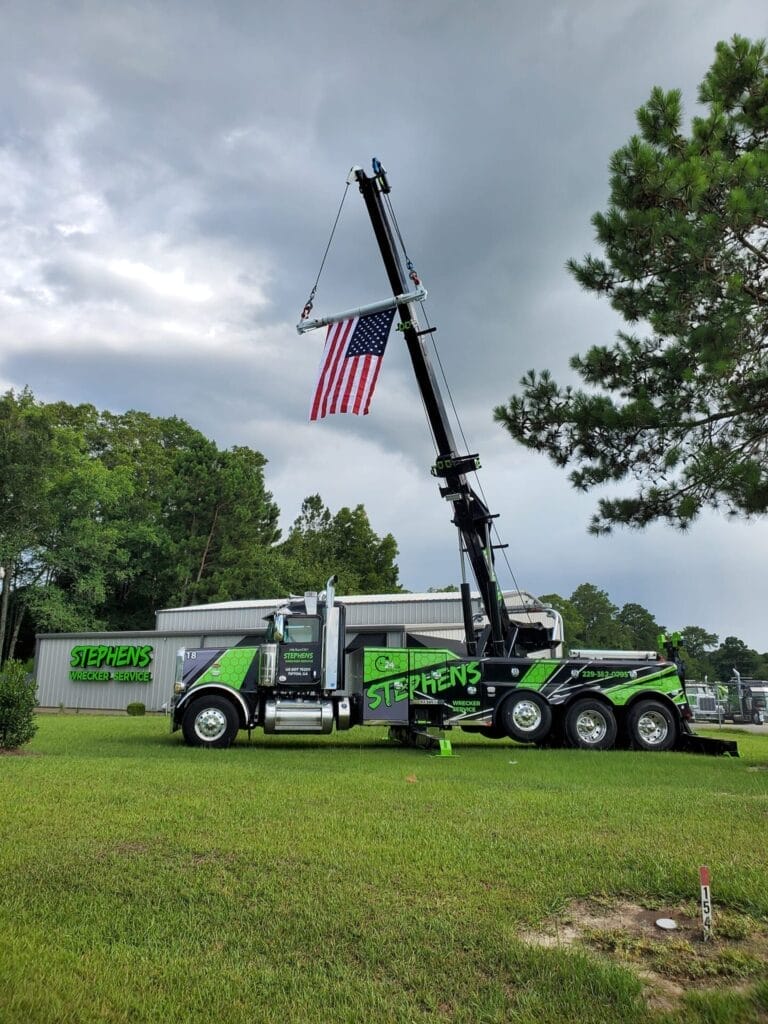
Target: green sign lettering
point(93, 663)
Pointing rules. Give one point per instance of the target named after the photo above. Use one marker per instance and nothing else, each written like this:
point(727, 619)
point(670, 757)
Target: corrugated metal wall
point(53, 666)
point(410, 610)
point(245, 615)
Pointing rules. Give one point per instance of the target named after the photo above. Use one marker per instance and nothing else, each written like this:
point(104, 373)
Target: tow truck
point(503, 681)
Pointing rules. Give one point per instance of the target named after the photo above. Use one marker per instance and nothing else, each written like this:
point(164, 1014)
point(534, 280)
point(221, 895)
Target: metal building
point(107, 671)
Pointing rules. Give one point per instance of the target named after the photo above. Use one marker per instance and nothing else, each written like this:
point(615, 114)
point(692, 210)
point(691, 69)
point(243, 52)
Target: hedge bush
point(136, 708)
point(18, 700)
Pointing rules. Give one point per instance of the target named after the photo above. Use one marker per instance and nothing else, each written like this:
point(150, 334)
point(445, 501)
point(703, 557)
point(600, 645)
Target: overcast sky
point(169, 176)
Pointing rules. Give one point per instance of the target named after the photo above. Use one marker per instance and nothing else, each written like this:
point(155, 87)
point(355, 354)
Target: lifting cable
point(414, 277)
point(478, 484)
point(416, 280)
point(308, 304)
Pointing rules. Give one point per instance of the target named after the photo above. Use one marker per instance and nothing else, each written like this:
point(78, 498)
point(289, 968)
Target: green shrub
point(136, 708)
point(18, 700)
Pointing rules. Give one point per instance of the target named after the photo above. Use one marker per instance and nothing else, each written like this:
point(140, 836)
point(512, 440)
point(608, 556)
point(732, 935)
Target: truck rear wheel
point(591, 725)
point(210, 722)
point(652, 726)
point(526, 717)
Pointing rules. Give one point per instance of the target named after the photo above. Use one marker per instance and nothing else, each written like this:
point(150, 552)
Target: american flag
point(350, 365)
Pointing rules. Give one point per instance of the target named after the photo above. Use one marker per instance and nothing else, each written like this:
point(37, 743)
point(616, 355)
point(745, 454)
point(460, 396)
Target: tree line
point(105, 517)
point(592, 620)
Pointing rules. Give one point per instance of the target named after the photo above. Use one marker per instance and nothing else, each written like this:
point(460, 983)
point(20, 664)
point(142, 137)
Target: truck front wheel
point(526, 717)
point(591, 725)
point(210, 722)
point(652, 726)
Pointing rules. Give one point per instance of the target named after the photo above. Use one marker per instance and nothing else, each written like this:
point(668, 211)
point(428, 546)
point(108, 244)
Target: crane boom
point(470, 513)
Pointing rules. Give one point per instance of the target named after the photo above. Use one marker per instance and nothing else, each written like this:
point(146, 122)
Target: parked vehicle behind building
point(740, 700)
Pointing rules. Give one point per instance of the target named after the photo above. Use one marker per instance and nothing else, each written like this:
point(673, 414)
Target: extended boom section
point(470, 514)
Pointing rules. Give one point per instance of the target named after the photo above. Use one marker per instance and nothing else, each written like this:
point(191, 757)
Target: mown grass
point(345, 879)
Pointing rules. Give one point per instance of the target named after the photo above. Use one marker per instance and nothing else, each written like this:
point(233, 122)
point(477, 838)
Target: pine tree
point(680, 404)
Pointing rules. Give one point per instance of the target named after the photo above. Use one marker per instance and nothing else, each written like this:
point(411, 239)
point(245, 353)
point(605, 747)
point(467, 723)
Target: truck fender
point(663, 698)
point(218, 688)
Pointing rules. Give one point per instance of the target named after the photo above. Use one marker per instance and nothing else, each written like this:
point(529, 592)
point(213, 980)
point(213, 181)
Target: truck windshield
point(301, 631)
point(296, 630)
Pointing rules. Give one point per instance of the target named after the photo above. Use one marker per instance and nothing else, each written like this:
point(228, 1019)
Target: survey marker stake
point(706, 903)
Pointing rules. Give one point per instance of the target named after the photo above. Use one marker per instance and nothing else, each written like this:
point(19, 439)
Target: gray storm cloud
point(170, 173)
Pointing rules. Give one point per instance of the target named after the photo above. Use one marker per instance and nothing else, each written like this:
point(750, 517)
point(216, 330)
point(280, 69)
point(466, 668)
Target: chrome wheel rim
point(526, 715)
point(652, 727)
point(591, 727)
point(210, 725)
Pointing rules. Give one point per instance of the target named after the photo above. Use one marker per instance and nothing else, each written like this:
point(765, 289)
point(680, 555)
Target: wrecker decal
point(218, 665)
point(405, 683)
point(539, 672)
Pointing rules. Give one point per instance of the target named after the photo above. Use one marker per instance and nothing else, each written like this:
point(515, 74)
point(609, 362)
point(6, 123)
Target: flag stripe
point(335, 344)
point(347, 372)
point(336, 365)
point(353, 382)
point(361, 392)
point(374, 378)
point(322, 376)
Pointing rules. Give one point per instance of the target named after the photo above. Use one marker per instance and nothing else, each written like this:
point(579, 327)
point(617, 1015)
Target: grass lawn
point(346, 879)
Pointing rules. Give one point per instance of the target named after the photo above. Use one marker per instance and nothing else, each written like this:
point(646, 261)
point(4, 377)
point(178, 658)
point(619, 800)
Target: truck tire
point(652, 726)
point(526, 717)
point(210, 722)
point(590, 724)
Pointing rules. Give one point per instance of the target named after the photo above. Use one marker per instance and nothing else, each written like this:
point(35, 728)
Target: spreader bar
point(373, 307)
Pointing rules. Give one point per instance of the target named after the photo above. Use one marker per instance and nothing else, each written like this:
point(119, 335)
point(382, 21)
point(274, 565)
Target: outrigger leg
point(413, 736)
point(690, 743)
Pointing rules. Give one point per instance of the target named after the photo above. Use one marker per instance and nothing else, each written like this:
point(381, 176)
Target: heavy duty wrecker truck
point(301, 680)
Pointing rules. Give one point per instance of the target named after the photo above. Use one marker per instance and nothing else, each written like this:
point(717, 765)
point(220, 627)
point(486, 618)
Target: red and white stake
point(706, 903)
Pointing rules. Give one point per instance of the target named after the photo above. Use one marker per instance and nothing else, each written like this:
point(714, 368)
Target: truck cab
point(291, 683)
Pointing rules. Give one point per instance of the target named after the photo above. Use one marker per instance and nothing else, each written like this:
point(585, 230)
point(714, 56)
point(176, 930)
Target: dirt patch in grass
point(17, 752)
point(670, 963)
point(135, 849)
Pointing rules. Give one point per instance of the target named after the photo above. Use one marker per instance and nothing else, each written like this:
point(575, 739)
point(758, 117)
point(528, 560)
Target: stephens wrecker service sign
point(111, 663)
